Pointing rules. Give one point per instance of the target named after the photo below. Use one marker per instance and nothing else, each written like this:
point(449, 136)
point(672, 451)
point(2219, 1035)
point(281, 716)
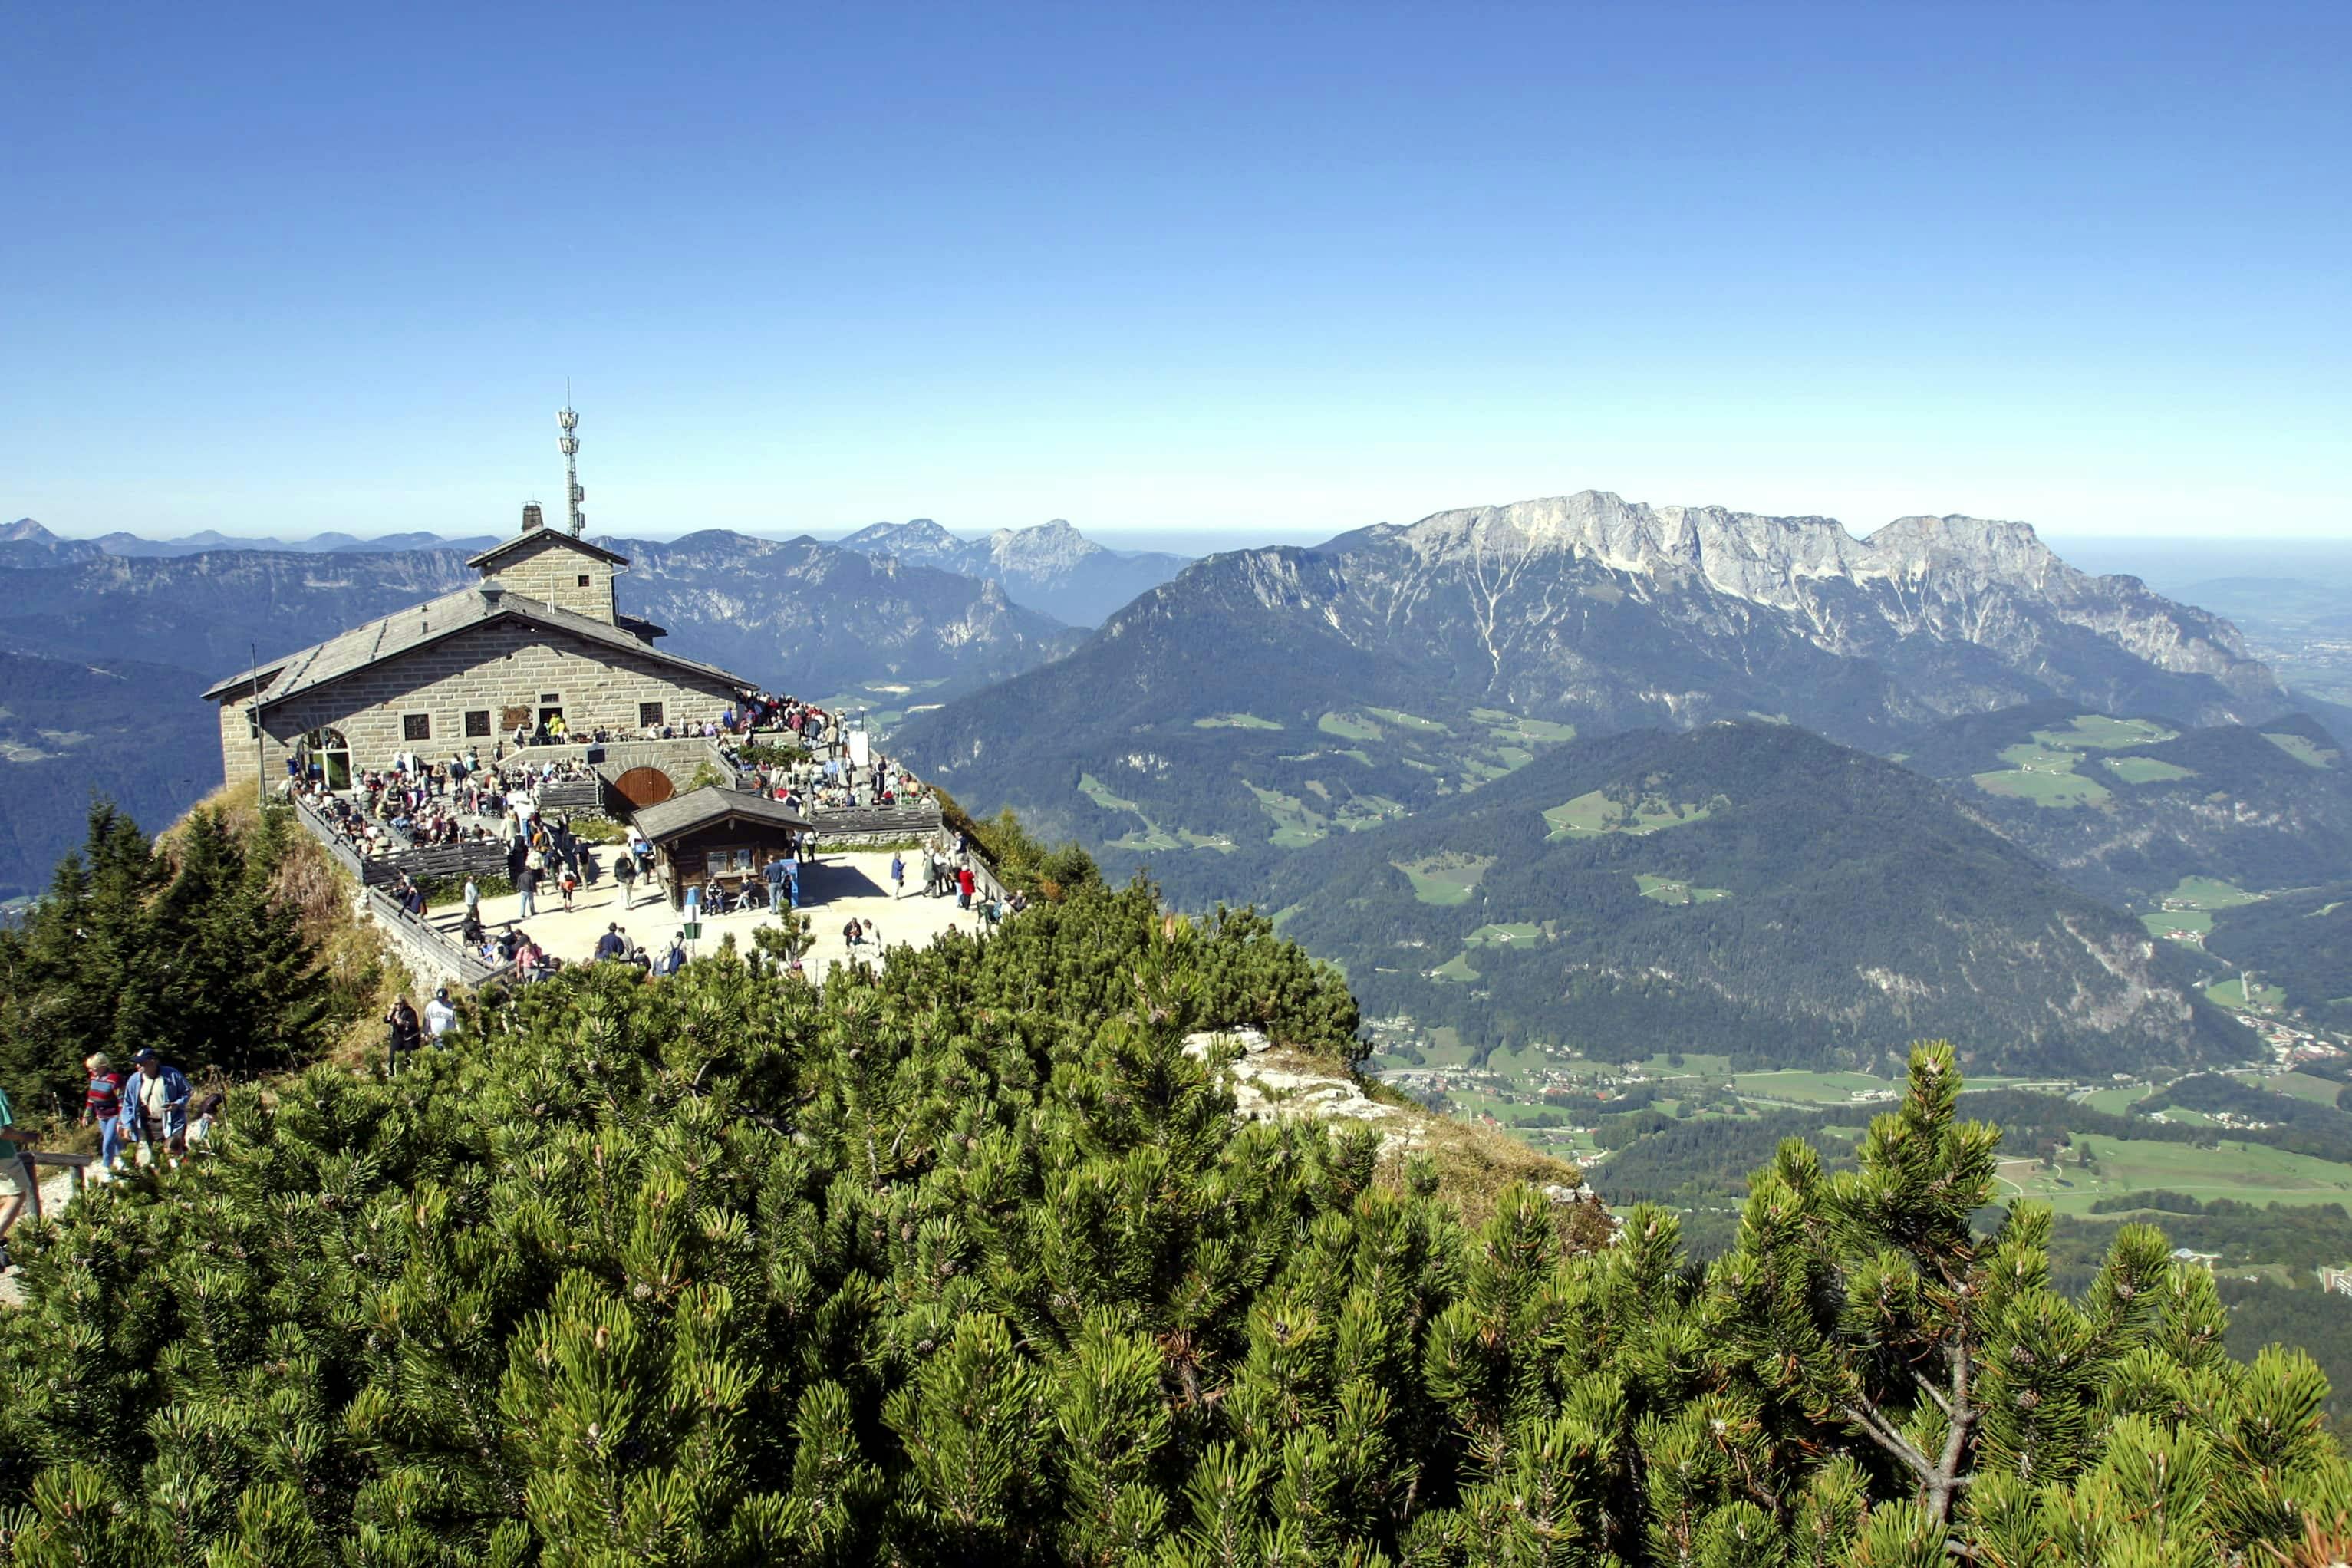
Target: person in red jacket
point(965, 882)
point(103, 1101)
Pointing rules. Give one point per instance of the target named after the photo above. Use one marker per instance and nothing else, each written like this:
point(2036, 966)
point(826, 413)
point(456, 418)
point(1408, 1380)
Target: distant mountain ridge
point(1051, 567)
point(1217, 709)
point(1951, 608)
point(330, 543)
point(802, 616)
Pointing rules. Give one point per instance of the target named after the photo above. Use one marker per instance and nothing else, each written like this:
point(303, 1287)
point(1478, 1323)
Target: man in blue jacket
point(155, 1108)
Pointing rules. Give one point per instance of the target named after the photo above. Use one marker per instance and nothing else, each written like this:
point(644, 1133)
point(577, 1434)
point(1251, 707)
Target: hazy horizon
point(2167, 563)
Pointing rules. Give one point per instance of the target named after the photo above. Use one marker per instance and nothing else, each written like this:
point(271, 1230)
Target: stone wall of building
point(503, 669)
point(551, 568)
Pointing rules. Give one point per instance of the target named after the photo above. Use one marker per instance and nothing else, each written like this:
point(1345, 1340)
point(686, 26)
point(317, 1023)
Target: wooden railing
point(345, 853)
point(914, 820)
point(78, 1164)
point(453, 959)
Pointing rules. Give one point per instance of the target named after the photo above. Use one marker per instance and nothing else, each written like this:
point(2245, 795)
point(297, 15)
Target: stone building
point(538, 637)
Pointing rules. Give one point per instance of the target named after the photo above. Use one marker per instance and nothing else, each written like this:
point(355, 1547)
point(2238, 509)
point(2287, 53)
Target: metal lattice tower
point(568, 444)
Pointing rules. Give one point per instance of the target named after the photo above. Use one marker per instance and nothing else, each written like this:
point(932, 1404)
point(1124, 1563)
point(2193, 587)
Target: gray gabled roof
point(405, 631)
point(534, 535)
point(682, 813)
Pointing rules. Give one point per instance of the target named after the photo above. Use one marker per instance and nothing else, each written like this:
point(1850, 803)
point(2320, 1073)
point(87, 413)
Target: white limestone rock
point(1251, 1041)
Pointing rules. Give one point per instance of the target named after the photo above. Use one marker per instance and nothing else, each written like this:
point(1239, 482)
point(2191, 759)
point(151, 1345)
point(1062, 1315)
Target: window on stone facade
point(477, 721)
point(550, 696)
point(649, 714)
point(415, 727)
point(583, 579)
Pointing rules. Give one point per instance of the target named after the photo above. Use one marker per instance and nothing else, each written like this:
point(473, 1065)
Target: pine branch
point(1881, 1431)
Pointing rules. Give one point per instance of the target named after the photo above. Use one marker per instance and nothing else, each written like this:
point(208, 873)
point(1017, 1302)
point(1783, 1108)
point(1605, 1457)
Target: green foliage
point(970, 1262)
point(186, 949)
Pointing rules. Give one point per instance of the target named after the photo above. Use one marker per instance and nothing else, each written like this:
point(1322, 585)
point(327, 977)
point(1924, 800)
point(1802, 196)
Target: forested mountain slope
point(2124, 809)
point(1746, 889)
point(1583, 611)
point(2300, 943)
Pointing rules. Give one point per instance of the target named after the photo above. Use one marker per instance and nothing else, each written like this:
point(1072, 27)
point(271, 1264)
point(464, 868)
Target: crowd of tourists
point(416, 804)
point(837, 783)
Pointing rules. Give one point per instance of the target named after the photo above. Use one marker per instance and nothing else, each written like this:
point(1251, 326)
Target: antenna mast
point(569, 445)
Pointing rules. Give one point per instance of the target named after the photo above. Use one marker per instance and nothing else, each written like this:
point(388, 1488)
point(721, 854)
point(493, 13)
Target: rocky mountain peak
point(24, 530)
point(918, 539)
point(1052, 546)
point(1744, 555)
point(1982, 550)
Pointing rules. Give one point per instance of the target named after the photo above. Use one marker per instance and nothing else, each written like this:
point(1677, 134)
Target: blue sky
point(1276, 269)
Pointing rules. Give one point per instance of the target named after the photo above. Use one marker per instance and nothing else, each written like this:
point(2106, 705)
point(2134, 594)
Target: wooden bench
point(78, 1164)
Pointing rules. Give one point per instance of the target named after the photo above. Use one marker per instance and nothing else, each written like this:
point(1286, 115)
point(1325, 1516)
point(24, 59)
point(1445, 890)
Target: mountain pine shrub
point(969, 1261)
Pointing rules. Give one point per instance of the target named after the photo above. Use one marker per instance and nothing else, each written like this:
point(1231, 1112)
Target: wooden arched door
point(645, 787)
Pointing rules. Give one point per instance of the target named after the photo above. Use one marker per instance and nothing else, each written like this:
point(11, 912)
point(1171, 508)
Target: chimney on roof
point(492, 591)
point(531, 517)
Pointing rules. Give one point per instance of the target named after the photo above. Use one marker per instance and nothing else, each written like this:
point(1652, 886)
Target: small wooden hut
point(717, 834)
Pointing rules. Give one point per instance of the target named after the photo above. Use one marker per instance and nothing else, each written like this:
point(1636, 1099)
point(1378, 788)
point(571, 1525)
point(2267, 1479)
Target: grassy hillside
point(2126, 808)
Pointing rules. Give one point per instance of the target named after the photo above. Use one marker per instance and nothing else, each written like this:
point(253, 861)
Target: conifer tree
point(80, 973)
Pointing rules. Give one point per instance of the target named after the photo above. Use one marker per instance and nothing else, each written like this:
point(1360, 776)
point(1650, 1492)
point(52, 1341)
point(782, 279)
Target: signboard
point(861, 749)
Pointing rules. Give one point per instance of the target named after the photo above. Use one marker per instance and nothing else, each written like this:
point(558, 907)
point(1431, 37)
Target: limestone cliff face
point(1947, 579)
point(1633, 612)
